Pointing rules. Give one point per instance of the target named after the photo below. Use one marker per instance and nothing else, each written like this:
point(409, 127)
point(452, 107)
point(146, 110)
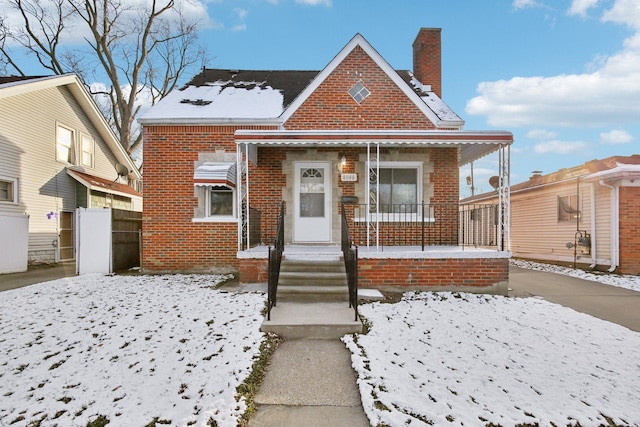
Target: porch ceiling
point(473, 144)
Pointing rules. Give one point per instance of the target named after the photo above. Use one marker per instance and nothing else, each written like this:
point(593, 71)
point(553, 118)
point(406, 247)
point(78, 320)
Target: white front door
point(312, 202)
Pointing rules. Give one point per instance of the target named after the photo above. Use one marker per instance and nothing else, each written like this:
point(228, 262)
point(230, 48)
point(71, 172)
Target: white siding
point(536, 231)
point(28, 146)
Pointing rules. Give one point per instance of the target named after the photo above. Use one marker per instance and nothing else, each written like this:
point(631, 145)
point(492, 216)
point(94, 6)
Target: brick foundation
point(482, 275)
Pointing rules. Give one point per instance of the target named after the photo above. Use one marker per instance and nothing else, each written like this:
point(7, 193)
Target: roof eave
point(210, 121)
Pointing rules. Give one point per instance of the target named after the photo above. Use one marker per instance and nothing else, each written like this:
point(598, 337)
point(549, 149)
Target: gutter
point(615, 220)
point(594, 245)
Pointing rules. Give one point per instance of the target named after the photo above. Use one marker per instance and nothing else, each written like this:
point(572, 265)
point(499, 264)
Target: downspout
point(594, 246)
point(614, 225)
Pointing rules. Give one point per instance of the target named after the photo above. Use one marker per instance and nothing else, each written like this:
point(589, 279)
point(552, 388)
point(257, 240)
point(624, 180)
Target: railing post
point(422, 227)
point(275, 259)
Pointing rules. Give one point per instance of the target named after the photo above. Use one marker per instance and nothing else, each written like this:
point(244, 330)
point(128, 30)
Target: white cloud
point(560, 147)
point(580, 7)
point(241, 15)
point(624, 12)
point(541, 134)
point(616, 137)
point(327, 3)
point(607, 95)
point(523, 4)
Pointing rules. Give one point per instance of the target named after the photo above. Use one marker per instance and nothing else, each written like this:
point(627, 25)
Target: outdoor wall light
point(343, 163)
point(52, 215)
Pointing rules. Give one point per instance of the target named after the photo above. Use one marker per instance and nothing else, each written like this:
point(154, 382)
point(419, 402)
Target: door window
point(312, 193)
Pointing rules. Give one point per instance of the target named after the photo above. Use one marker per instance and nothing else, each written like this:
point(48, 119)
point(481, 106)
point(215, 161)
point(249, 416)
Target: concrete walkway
point(611, 303)
point(309, 383)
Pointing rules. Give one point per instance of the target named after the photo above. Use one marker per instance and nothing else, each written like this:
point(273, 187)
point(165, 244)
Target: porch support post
point(373, 179)
point(242, 190)
point(504, 198)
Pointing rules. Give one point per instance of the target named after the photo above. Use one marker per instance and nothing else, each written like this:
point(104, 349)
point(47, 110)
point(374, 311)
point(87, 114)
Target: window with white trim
point(88, 151)
point(8, 190)
point(220, 201)
point(65, 145)
point(399, 183)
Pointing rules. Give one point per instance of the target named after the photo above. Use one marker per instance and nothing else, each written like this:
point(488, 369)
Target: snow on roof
point(430, 98)
point(257, 95)
point(220, 100)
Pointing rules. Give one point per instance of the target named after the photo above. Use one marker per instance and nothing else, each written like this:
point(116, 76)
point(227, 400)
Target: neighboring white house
point(587, 215)
point(58, 153)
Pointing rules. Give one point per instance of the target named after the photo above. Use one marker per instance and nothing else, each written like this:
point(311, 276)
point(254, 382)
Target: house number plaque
point(349, 177)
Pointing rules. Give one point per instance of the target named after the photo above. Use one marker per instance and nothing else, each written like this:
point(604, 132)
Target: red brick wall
point(331, 106)
point(629, 230)
point(171, 240)
point(471, 272)
point(435, 273)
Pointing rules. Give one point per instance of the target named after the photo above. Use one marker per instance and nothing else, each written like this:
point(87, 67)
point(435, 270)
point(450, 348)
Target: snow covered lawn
point(130, 348)
point(170, 348)
point(460, 359)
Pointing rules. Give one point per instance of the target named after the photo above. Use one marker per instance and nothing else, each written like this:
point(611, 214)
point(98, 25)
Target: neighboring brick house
point(587, 215)
point(222, 153)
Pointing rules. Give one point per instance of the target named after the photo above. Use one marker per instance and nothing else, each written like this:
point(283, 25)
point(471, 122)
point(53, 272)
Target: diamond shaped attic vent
point(358, 92)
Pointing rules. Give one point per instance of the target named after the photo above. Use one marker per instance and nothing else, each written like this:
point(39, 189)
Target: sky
point(562, 75)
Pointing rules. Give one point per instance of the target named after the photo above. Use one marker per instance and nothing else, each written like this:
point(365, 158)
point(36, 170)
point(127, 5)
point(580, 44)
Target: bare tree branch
point(137, 48)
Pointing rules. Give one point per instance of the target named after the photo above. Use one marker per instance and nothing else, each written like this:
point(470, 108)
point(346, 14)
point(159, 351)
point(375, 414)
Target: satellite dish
point(121, 169)
point(494, 181)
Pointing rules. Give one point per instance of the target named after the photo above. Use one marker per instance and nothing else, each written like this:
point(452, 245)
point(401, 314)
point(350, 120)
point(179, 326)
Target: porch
point(438, 268)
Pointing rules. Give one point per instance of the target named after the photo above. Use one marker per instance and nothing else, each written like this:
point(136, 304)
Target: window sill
point(216, 219)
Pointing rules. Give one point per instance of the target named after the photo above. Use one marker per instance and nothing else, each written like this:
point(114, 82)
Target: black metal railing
point(423, 225)
point(350, 255)
point(275, 259)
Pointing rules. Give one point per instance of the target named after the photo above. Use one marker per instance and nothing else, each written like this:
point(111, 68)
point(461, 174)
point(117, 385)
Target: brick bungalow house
point(587, 215)
point(224, 152)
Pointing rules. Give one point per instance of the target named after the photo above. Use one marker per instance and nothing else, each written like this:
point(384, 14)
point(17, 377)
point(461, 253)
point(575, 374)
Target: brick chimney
point(427, 66)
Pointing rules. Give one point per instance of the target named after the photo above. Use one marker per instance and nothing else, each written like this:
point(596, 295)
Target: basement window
point(8, 189)
point(358, 92)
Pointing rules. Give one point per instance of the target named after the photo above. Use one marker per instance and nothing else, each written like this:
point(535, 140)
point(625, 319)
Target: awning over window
point(215, 173)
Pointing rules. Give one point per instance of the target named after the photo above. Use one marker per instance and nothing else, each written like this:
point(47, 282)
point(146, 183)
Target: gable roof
point(447, 119)
point(15, 86)
point(227, 96)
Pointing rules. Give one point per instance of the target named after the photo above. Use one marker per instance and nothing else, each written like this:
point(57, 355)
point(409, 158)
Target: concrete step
point(312, 278)
point(310, 293)
point(314, 265)
point(322, 320)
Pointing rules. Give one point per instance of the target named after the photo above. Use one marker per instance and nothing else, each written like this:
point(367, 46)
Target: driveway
point(611, 303)
point(37, 274)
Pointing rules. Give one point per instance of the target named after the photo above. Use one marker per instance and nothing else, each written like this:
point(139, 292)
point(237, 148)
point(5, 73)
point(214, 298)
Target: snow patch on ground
point(461, 359)
point(131, 348)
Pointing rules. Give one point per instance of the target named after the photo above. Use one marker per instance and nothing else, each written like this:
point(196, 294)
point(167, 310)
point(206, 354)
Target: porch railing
point(350, 255)
point(275, 260)
point(423, 225)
